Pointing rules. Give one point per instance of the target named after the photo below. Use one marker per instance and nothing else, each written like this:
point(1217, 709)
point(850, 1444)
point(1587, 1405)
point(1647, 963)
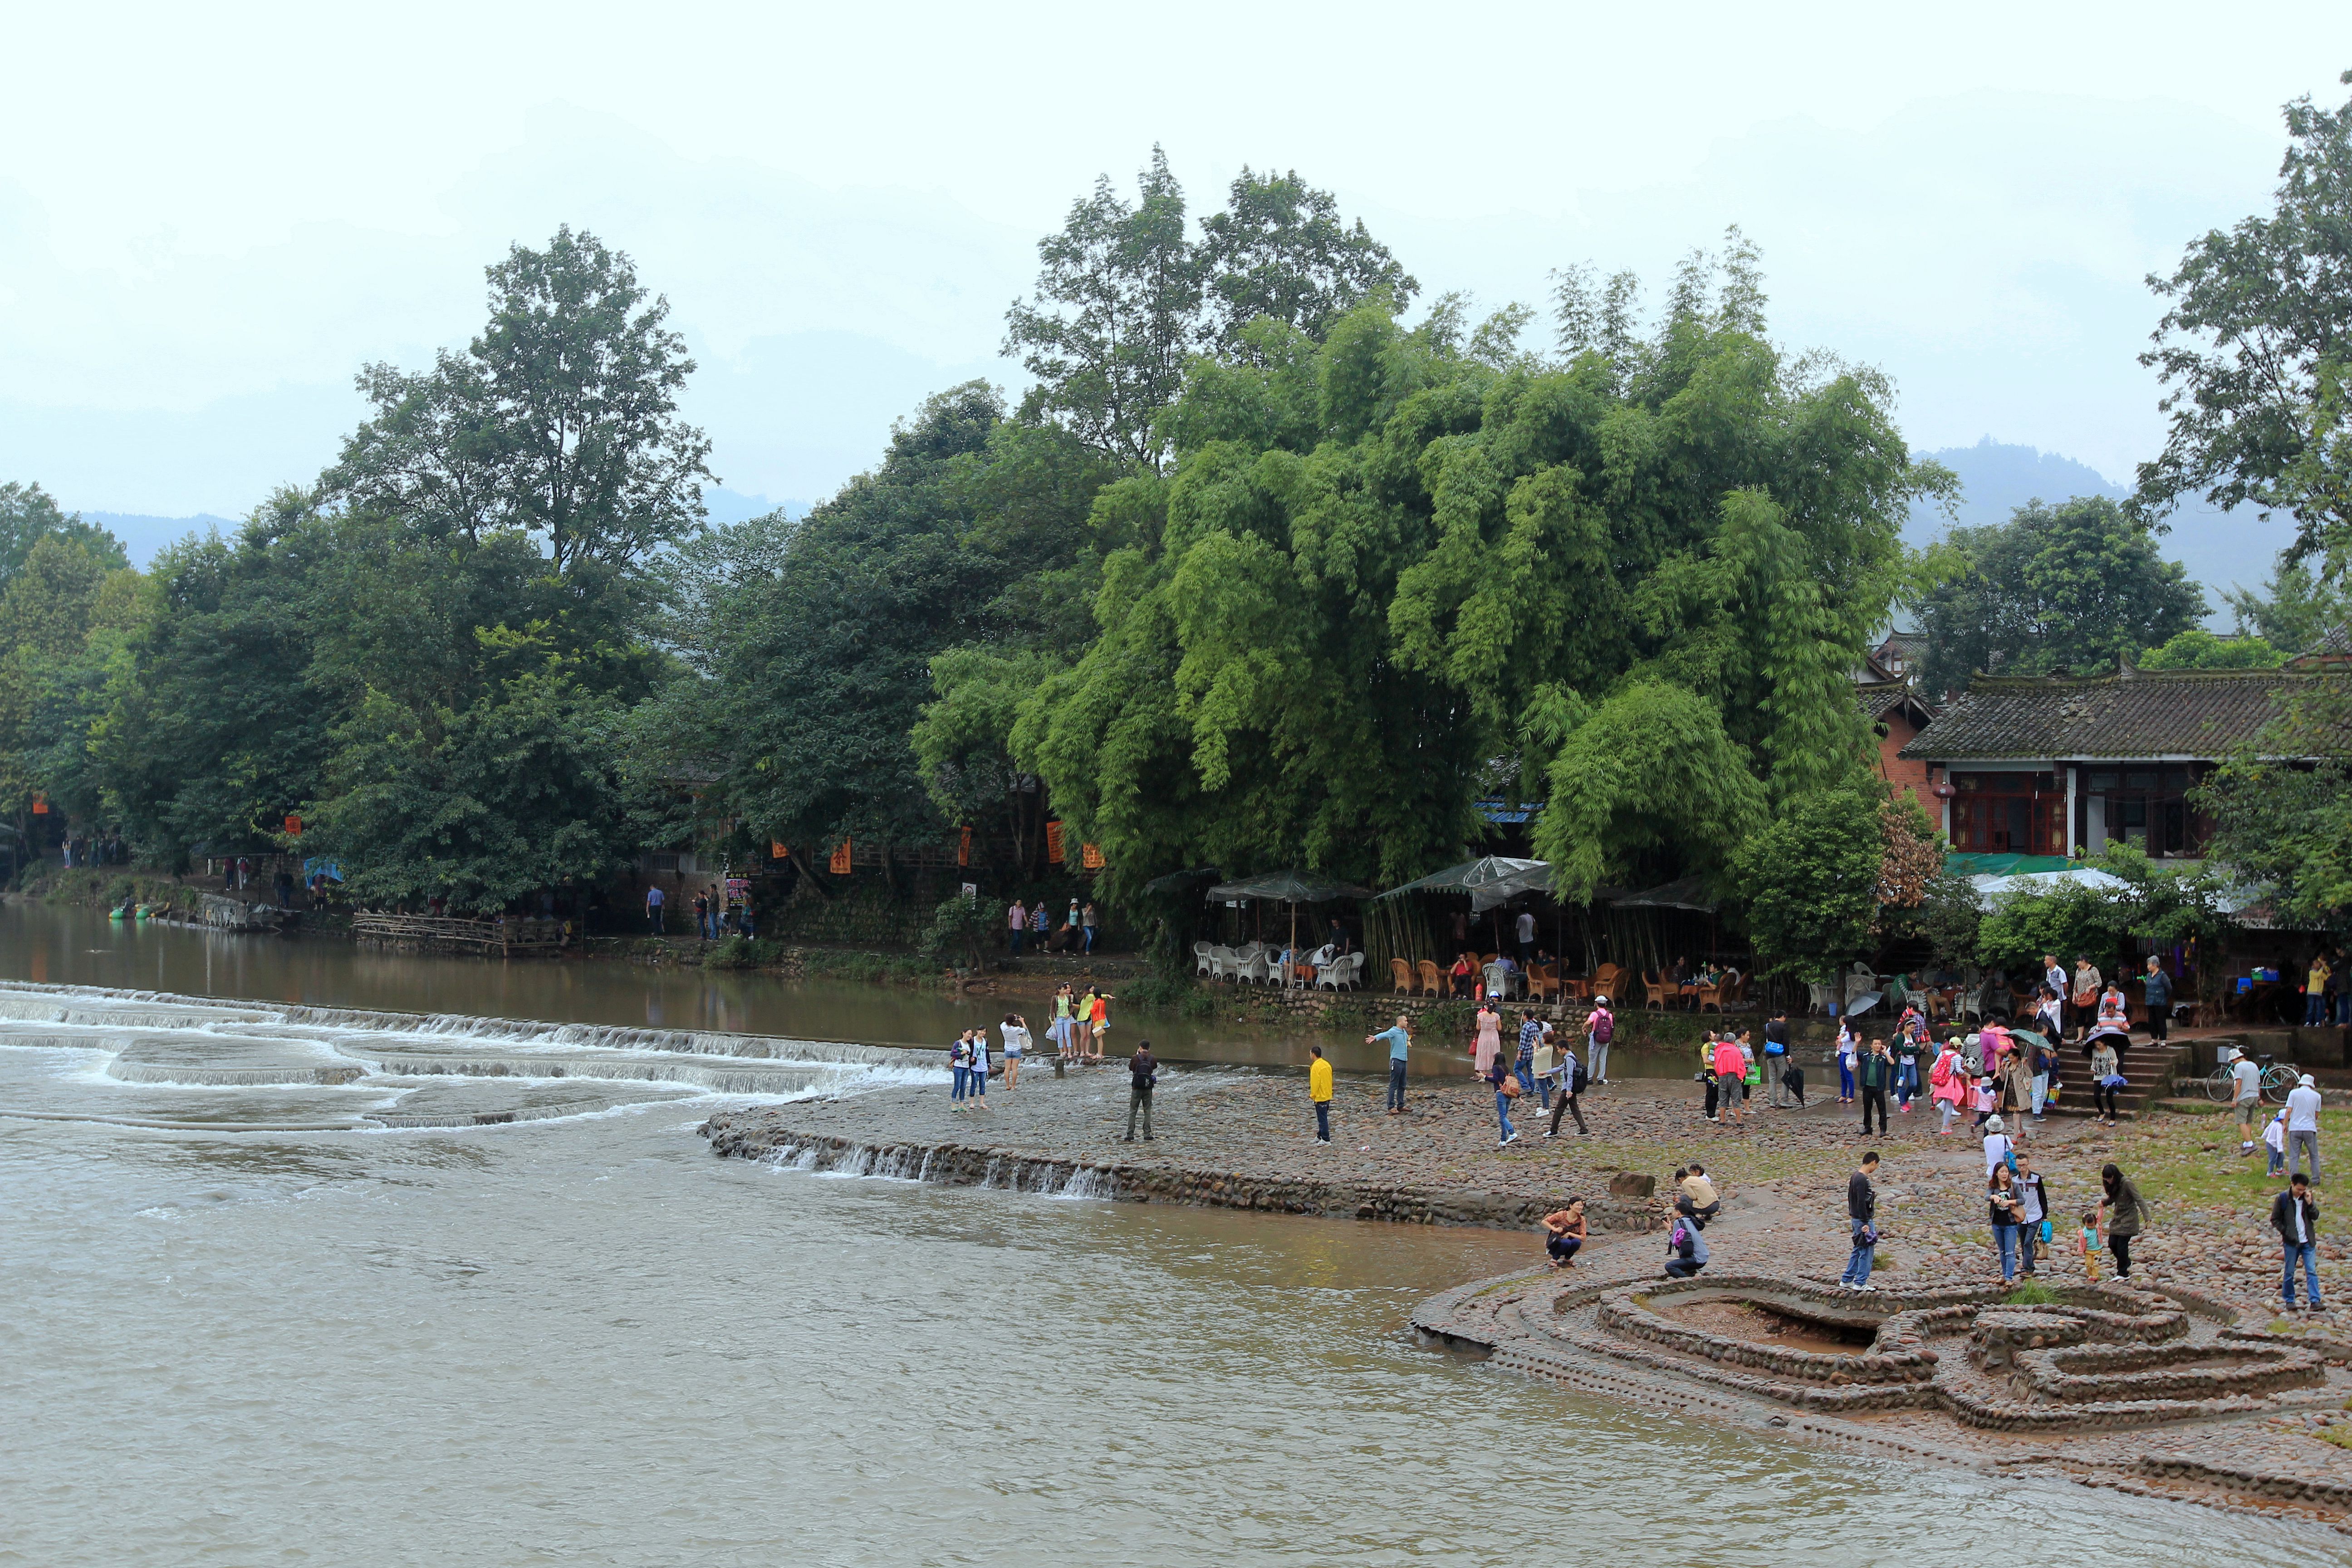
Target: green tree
point(1379, 562)
point(2292, 611)
point(1280, 250)
point(811, 643)
point(2198, 648)
point(1811, 882)
point(1115, 314)
point(28, 515)
point(2069, 917)
point(2282, 808)
point(2252, 349)
point(515, 792)
point(2075, 587)
point(560, 420)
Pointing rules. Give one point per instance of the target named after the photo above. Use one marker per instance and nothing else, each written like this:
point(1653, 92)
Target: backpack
point(1603, 1027)
point(1578, 1081)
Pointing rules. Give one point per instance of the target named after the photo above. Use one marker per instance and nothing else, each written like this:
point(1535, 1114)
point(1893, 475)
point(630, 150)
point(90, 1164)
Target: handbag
point(1508, 1088)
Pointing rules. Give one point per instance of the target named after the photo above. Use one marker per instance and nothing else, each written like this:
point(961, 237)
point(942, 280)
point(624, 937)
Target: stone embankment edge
point(1438, 1323)
point(951, 1164)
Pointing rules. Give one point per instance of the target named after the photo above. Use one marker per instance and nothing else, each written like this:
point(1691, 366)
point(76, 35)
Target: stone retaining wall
point(955, 1164)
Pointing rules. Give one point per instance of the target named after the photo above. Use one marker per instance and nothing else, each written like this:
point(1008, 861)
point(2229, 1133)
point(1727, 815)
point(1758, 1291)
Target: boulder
point(1627, 1185)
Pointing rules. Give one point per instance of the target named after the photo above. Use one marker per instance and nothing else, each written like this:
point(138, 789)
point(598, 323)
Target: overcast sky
point(211, 216)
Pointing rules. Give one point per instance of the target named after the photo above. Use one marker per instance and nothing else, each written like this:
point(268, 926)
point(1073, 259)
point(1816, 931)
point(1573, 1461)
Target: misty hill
point(2220, 549)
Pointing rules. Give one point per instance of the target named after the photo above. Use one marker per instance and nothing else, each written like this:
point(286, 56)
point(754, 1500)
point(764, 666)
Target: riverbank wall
point(770, 1135)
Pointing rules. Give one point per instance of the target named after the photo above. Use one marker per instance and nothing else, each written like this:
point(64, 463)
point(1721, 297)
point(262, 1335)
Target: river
point(583, 1340)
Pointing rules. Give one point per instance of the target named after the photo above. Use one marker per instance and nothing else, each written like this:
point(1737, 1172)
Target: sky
point(211, 218)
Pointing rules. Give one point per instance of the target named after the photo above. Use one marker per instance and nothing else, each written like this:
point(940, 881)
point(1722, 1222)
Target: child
point(1984, 1098)
point(2274, 1139)
point(2091, 1245)
point(1847, 1048)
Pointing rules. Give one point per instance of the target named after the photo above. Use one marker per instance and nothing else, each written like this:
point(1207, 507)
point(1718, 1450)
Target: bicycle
point(2277, 1081)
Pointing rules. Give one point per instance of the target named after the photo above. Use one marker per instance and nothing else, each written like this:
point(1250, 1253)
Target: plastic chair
point(1201, 961)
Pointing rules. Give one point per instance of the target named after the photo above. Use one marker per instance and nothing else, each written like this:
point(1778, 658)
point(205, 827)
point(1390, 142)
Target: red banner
point(1054, 842)
point(1090, 858)
point(964, 848)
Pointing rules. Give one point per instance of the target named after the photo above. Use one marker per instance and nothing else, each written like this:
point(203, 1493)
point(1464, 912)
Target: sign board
point(841, 862)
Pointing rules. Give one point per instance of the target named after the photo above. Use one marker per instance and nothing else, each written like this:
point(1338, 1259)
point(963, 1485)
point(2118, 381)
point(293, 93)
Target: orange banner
point(1090, 858)
point(40, 805)
point(776, 851)
point(963, 848)
point(294, 827)
point(841, 862)
point(1054, 842)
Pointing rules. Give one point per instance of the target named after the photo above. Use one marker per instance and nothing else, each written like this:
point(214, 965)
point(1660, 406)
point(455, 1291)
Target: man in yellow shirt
point(2315, 1007)
point(1319, 1089)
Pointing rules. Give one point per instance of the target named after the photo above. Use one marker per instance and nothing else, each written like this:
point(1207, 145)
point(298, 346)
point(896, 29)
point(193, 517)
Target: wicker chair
point(1432, 979)
point(1609, 981)
point(1658, 991)
point(1402, 972)
point(1543, 982)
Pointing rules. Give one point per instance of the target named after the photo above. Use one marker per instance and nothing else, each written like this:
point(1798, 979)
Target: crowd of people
point(1025, 924)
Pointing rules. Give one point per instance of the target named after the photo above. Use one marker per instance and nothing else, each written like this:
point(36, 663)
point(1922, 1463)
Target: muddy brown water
point(582, 1340)
point(72, 945)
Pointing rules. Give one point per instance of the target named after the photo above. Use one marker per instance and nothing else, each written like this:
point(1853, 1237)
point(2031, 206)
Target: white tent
point(1991, 890)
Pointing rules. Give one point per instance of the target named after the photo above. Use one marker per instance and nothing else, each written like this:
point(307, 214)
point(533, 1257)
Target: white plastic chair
point(1201, 964)
point(1221, 959)
point(1256, 969)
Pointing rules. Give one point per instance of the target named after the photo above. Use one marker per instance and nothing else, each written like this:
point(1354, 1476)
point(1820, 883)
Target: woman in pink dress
point(1490, 1038)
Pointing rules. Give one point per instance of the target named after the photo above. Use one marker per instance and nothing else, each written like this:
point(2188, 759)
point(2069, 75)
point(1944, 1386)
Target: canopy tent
point(1177, 881)
point(1687, 893)
point(1487, 873)
point(1990, 889)
point(1291, 887)
point(1490, 880)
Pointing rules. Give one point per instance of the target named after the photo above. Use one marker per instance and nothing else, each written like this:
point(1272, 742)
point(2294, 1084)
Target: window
point(2142, 806)
point(2021, 814)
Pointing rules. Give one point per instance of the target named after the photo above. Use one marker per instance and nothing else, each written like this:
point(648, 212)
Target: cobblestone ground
point(1782, 1173)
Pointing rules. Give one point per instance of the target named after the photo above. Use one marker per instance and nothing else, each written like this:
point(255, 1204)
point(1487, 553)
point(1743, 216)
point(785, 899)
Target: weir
point(157, 1059)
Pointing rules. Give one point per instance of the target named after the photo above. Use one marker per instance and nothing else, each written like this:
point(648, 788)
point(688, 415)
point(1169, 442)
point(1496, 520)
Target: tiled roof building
point(2045, 765)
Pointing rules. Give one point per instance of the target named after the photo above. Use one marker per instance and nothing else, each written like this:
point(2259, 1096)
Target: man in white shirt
point(2248, 1079)
point(2303, 1127)
point(1526, 938)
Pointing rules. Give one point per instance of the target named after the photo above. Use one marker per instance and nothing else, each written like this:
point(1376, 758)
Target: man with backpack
point(1600, 1027)
point(1572, 1083)
point(1142, 1073)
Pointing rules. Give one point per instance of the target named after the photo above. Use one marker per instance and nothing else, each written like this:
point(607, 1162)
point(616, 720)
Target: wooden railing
point(505, 935)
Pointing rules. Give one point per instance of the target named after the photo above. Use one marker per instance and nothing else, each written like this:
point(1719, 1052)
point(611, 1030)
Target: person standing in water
point(1142, 1075)
point(1399, 1044)
point(1016, 1041)
point(1489, 1042)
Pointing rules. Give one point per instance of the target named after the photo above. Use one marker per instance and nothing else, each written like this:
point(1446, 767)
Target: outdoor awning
point(1289, 887)
point(1992, 888)
point(1492, 873)
point(1177, 881)
point(1689, 893)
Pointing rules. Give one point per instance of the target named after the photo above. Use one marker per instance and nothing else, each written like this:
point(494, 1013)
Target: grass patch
point(831, 963)
point(2167, 1159)
point(2031, 1296)
point(2339, 1436)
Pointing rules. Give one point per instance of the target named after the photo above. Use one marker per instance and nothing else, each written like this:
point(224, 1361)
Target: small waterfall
point(1085, 1182)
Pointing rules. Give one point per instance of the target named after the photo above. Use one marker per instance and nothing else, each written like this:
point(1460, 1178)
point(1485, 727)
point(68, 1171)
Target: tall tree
point(2075, 587)
point(28, 515)
point(2293, 610)
point(1116, 311)
point(1382, 562)
point(560, 420)
point(1281, 249)
point(2252, 349)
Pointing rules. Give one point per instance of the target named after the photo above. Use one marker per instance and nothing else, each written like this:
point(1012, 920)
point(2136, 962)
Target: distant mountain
point(727, 506)
point(142, 535)
point(2220, 549)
